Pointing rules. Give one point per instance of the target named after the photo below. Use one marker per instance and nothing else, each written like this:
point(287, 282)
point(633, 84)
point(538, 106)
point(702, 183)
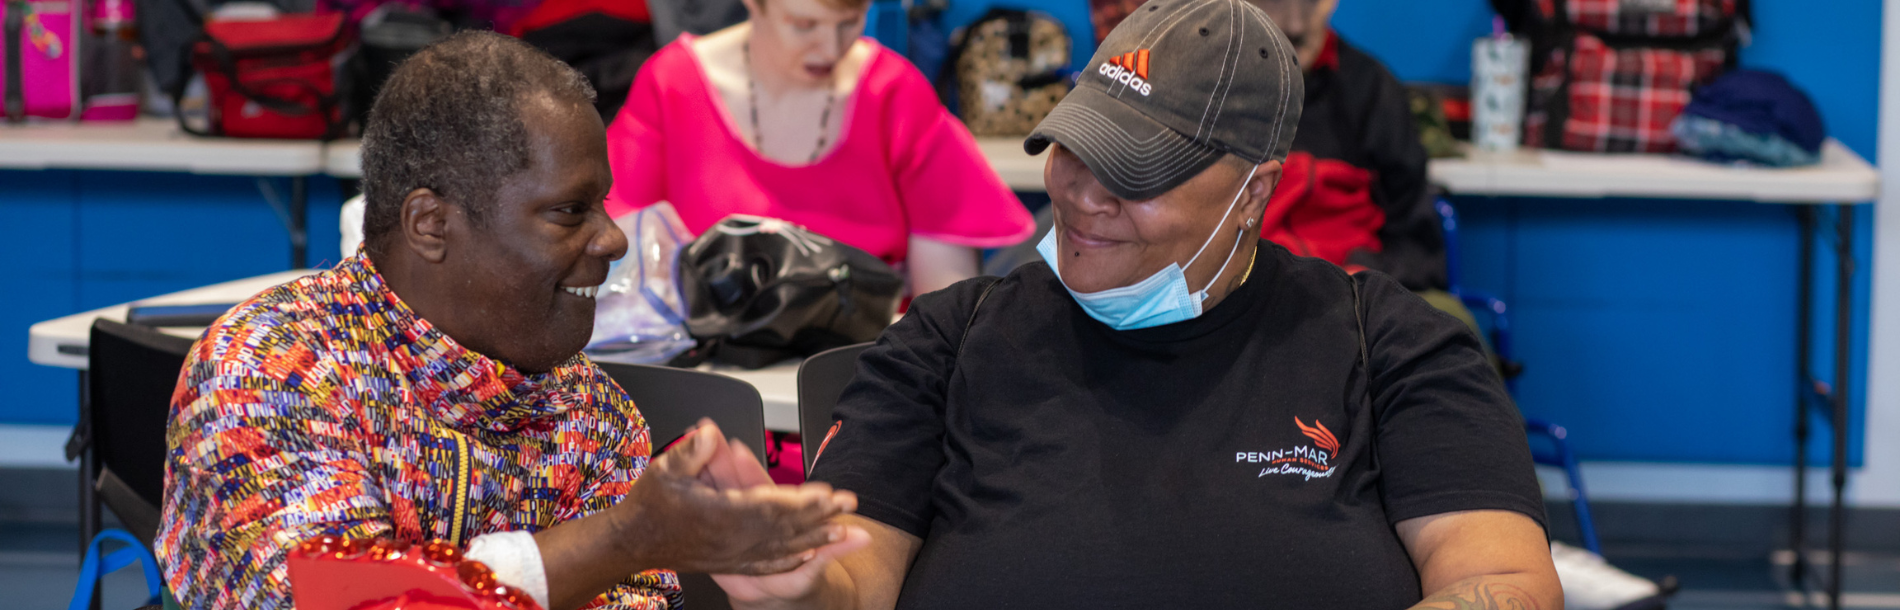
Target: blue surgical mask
point(1162, 298)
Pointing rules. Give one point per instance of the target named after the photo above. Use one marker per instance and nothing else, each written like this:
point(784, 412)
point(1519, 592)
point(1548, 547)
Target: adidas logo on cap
point(1130, 69)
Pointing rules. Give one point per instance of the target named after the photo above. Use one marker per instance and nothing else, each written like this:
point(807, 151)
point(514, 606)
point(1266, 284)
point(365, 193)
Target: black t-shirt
point(1228, 461)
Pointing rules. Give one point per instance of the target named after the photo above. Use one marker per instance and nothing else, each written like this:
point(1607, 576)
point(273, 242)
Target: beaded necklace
point(752, 97)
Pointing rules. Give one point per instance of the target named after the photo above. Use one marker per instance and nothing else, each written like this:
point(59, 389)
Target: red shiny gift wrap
point(330, 573)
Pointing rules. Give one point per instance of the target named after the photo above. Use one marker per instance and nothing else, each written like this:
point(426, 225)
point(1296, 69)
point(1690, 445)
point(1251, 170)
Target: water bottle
point(110, 82)
point(1498, 67)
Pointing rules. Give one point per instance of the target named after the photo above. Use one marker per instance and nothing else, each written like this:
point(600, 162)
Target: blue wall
point(1661, 330)
point(84, 240)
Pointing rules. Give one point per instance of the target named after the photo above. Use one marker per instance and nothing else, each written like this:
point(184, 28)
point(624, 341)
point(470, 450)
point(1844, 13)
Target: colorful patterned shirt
point(327, 406)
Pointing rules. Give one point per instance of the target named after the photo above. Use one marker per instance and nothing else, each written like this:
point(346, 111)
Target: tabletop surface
point(1019, 170)
point(1841, 177)
point(344, 159)
point(152, 144)
point(62, 342)
point(155, 144)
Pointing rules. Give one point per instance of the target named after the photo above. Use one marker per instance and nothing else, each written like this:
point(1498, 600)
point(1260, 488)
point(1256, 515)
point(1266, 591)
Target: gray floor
point(39, 556)
point(38, 566)
point(1714, 580)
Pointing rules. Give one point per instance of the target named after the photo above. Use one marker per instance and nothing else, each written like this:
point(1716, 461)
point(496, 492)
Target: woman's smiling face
point(1104, 241)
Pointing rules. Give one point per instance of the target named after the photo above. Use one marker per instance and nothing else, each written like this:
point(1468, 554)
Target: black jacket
point(1357, 112)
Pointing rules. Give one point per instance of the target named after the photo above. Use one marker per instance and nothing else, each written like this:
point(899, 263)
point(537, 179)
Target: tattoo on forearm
point(1478, 594)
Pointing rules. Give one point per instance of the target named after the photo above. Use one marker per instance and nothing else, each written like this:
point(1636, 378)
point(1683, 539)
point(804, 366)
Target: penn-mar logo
point(1310, 461)
point(1130, 69)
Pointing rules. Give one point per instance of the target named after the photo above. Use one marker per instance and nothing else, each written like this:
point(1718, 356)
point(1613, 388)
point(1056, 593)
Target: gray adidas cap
point(1174, 87)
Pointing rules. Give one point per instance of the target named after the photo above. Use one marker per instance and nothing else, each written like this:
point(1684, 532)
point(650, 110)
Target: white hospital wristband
point(516, 561)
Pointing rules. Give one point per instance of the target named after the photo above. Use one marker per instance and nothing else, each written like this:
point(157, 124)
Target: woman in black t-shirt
point(1171, 412)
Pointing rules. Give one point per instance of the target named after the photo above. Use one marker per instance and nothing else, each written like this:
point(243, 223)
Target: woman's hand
point(799, 584)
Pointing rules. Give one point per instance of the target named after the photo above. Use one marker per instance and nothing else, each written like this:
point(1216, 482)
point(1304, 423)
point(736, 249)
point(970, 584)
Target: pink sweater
point(904, 166)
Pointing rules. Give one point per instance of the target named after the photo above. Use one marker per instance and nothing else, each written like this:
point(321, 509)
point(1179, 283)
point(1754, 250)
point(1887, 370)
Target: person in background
point(432, 387)
point(791, 115)
point(1166, 411)
point(1356, 191)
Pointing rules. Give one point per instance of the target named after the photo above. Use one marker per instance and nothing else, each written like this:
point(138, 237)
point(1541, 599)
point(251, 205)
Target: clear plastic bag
point(639, 316)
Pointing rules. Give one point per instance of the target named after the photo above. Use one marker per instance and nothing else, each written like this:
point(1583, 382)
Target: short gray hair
point(449, 119)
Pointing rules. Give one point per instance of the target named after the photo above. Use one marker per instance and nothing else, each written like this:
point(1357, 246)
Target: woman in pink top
point(791, 115)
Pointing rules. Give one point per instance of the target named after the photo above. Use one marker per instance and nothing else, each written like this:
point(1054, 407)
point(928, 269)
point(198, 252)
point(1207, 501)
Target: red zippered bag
point(272, 78)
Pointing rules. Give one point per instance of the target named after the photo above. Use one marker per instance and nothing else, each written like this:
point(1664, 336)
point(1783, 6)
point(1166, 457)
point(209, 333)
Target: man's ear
point(425, 224)
point(1260, 190)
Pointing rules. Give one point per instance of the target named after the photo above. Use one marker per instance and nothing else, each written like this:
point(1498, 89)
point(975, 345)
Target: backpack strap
point(97, 564)
point(1359, 320)
point(1018, 22)
point(971, 323)
point(1365, 361)
point(16, 96)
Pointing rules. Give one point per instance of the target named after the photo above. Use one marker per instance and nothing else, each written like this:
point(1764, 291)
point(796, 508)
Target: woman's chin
point(1085, 278)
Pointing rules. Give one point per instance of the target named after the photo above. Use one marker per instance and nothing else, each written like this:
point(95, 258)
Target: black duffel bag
point(761, 290)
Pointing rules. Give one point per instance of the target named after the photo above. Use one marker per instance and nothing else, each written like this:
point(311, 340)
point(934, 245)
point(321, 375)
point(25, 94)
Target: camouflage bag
point(1009, 72)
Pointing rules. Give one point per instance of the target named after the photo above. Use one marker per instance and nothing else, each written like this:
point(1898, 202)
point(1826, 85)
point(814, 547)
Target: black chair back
point(703, 593)
point(821, 382)
point(673, 400)
point(132, 373)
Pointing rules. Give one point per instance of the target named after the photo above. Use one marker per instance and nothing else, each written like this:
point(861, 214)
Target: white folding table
point(63, 342)
point(1019, 170)
point(1842, 179)
point(1842, 176)
point(157, 145)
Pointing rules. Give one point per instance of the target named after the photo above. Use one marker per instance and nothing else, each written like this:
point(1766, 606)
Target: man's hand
point(734, 466)
point(689, 512)
point(675, 520)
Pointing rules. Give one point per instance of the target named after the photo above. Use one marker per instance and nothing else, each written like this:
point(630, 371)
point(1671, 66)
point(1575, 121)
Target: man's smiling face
point(532, 265)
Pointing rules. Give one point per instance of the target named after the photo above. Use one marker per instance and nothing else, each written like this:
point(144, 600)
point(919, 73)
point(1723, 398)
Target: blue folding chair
point(1560, 455)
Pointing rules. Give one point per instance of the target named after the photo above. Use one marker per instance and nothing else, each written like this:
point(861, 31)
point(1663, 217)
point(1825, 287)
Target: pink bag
point(39, 55)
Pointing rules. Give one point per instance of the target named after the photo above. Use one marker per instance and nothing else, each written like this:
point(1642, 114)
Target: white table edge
point(45, 338)
point(777, 384)
point(153, 144)
point(1843, 177)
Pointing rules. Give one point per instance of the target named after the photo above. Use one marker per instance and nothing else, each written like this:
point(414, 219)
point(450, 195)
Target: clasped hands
point(760, 540)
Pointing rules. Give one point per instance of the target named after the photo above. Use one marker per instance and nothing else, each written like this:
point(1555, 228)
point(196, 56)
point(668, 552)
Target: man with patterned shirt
point(432, 386)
